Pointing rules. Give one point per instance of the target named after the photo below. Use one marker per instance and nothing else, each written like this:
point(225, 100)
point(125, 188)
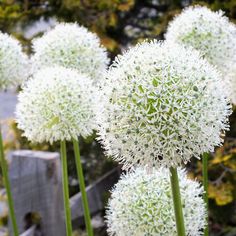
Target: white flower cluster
point(212, 34)
point(209, 32)
point(164, 105)
point(57, 104)
point(13, 62)
point(141, 204)
point(71, 46)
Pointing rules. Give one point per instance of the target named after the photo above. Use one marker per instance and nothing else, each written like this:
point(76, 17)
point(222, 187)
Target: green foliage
point(222, 186)
point(117, 22)
point(10, 12)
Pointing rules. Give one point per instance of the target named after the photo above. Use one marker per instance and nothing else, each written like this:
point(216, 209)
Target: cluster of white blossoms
point(209, 32)
point(71, 46)
point(212, 34)
point(164, 105)
point(13, 62)
point(57, 104)
point(141, 204)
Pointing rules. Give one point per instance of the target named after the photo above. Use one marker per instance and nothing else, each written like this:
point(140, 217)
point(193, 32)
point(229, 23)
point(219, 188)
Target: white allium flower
point(141, 204)
point(57, 104)
point(165, 104)
point(209, 32)
point(71, 46)
point(13, 62)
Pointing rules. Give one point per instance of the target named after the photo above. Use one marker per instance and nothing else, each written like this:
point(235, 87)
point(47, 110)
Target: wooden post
point(29, 232)
point(96, 193)
point(37, 188)
point(35, 178)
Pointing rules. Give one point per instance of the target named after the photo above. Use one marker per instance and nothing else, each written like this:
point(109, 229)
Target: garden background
point(120, 24)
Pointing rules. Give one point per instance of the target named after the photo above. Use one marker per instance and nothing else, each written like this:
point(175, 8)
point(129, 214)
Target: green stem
point(82, 188)
point(3, 164)
point(205, 185)
point(179, 218)
point(66, 189)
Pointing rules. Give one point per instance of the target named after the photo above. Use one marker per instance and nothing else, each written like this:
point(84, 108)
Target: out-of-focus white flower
point(141, 204)
point(71, 46)
point(212, 34)
point(164, 105)
point(209, 32)
point(13, 62)
point(57, 104)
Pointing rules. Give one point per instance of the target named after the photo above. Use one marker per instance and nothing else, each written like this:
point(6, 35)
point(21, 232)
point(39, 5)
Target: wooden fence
point(35, 178)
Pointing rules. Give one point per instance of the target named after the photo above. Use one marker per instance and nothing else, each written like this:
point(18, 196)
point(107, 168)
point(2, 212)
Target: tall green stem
point(3, 164)
point(82, 188)
point(66, 189)
point(205, 184)
point(179, 218)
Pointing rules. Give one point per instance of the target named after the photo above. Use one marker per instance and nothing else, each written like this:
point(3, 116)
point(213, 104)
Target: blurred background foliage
point(120, 24)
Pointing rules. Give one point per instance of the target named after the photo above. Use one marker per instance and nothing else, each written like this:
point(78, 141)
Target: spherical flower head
point(57, 104)
point(164, 105)
point(71, 46)
point(13, 62)
point(209, 32)
point(141, 204)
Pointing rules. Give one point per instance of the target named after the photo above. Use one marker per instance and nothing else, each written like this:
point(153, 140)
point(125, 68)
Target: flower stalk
point(66, 189)
point(205, 185)
point(82, 188)
point(3, 164)
point(177, 202)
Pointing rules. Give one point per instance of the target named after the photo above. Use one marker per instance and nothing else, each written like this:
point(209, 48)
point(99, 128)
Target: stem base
point(177, 202)
point(82, 188)
point(205, 185)
point(4, 166)
point(66, 189)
